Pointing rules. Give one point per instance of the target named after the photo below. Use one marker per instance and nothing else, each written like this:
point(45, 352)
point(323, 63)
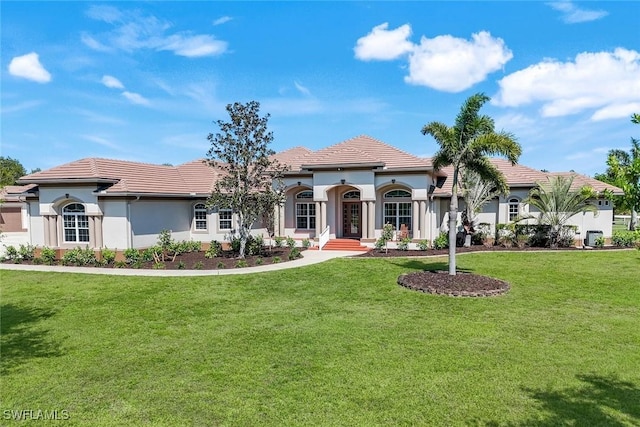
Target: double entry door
point(352, 219)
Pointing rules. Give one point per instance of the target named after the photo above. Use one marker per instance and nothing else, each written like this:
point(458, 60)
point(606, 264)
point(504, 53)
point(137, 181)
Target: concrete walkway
point(308, 258)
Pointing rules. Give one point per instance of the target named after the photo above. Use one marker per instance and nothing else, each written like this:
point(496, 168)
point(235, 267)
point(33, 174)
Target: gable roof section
point(362, 149)
point(131, 177)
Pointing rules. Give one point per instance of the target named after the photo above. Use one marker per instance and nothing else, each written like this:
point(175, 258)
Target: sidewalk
point(309, 258)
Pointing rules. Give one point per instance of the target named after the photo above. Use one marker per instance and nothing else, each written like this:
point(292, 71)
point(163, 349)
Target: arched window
point(200, 216)
point(398, 212)
point(514, 208)
point(351, 195)
point(305, 211)
point(75, 224)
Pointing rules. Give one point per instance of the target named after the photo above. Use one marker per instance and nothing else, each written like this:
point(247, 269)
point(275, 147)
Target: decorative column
point(97, 231)
point(54, 226)
point(323, 215)
point(423, 219)
point(365, 220)
point(372, 220)
point(318, 219)
point(415, 219)
point(92, 231)
point(280, 220)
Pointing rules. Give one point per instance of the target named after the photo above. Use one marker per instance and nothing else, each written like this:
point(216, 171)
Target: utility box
point(592, 235)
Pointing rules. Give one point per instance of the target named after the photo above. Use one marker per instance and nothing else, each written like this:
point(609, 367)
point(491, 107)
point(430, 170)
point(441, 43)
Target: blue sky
point(145, 81)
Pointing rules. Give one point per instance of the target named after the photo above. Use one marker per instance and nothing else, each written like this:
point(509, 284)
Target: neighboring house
point(350, 189)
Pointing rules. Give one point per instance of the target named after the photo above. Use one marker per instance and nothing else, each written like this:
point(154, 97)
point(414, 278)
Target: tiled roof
point(292, 157)
point(361, 149)
point(13, 192)
point(132, 177)
point(524, 176)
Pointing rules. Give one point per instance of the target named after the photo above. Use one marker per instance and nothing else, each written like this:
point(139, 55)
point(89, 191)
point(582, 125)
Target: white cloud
point(112, 82)
point(136, 98)
point(193, 46)
point(616, 111)
point(606, 82)
point(29, 67)
point(453, 64)
point(572, 14)
point(102, 141)
point(302, 89)
point(222, 20)
point(132, 31)
point(26, 105)
point(382, 44)
point(444, 62)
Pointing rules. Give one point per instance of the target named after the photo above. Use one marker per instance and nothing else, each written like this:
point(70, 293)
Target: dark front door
point(351, 219)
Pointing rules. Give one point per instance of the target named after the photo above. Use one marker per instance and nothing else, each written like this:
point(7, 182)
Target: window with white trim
point(514, 209)
point(225, 216)
point(200, 217)
point(351, 195)
point(305, 211)
point(398, 213)
point(75, 224)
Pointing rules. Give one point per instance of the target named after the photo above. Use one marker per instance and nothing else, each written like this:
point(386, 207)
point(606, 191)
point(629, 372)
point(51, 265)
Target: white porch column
point(372, 220)
point(45, 224)
point(54, 226)
point(280, 220)
point(423, 219)
point(365, 219)
point(415, 219)
point(92, 234)
point(97, 231)
point(323, 215)
point(318, 219)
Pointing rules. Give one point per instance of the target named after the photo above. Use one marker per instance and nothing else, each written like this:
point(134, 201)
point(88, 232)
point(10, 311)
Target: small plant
point(181, 265)
point(599, 243)
point(259, 261)
point(423, 245)
point(291, 242)
point(442, 241)
point(625, 239)
point(107, 255)
point(306, 243)
point(403, 244)
point(149, 254)
point(387, 235)
point(27, 252)
point(120, 264)
point(294, 254)
point(37, 261)
point(131, 255)
point(220, 265)
point(11, 253)
point(198, 265)
point(215, 249)
point(48, 255)
point(380, 244)
point(254, 245)
point(137, 264)
point(279, 241)
point(241, 263)
point(276, 260)
point(158, 266)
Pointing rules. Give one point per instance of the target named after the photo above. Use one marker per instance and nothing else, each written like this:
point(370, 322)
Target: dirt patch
point(460, 285)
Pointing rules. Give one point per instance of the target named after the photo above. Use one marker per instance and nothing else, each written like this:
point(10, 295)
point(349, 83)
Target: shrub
point(387, 235)
point(11, 253)
point(220, 265)
point(403, 244)
point(259, 261)
point(423, 245)
point(149, 254)
point(279, 241)
point(241, 263)
point(119, 264)
point(215, 249)
point(107, 255)
point(442, 241)
point(27, 252)
point(294, 254)
point(306, 243)
point(158, 266)
point(276, 259)
point(380, 244)
point(625, 239)
point(198, 265)
point(291, 242)
point(48, 255)
point(254, 245)
point(599, 243)
point(132, 255)
point(181, 265)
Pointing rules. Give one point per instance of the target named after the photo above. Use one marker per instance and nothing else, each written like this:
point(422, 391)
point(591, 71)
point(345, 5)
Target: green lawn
point(333, 344)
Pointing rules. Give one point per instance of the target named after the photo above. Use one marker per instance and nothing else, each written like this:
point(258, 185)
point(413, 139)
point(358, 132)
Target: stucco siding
point(149, 218)
point(115, 230)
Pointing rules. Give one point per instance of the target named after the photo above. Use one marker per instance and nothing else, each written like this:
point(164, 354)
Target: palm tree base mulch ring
point(461, 285)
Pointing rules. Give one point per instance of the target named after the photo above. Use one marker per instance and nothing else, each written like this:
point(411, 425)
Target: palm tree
point(557, 203)
point(476, 193)
point(466, 145)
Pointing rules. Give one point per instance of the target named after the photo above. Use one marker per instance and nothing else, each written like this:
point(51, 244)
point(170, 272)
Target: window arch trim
point(351, 195)
point(397, 194)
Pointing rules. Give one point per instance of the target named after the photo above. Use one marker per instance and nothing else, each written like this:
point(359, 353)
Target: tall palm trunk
point(453, 225)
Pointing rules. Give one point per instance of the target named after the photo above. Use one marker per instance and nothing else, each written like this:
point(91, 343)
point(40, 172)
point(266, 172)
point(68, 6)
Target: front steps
point(343, 245)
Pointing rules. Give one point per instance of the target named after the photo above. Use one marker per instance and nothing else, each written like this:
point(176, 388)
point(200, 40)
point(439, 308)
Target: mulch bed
point(460, 285)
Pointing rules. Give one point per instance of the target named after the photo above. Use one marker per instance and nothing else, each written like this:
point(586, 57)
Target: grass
point(337, 343)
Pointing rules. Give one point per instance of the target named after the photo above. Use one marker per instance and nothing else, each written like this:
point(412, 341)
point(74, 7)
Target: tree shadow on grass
point(426, 265)
point(21, 338)
point(601, 401)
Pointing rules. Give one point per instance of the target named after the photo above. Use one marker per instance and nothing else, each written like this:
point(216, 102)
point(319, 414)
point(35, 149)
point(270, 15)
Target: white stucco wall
point(149, 218)
point(115, 226)
point(53, 198)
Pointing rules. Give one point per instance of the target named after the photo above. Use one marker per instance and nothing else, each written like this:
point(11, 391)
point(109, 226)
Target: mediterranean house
point(348, 190)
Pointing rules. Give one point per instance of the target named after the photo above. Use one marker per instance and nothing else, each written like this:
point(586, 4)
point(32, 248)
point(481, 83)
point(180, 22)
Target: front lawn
point(338, 343)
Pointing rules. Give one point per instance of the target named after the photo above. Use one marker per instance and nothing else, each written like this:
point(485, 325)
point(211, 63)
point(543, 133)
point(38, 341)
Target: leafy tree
point(476, 193)
point(251, 181)
point(466, 145)
point(557, 203)
point(624, 171)
point(10, 171)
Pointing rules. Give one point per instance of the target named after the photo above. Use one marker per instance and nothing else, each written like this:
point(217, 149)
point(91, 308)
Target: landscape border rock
point(461, 285)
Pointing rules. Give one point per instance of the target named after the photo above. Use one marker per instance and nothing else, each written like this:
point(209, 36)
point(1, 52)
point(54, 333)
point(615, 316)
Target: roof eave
point(339, 166)
point(68, 181)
